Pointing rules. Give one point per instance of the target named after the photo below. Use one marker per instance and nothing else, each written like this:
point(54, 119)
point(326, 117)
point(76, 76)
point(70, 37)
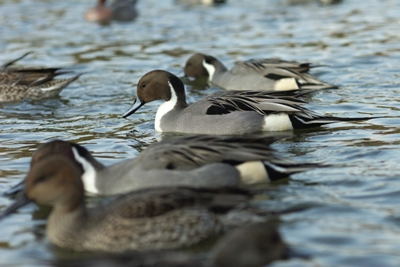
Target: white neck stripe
point(210, 69)
point(164, 108)
point(89, 173)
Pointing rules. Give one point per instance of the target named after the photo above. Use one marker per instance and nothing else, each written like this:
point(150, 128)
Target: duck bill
point(15, 189)
point(20, 201)
point(133, 108)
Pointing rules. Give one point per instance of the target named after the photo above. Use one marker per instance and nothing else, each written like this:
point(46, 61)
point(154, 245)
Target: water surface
point(353, 217)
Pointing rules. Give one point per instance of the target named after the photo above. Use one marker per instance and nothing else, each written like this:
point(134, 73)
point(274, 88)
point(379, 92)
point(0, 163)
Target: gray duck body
point(193, 121)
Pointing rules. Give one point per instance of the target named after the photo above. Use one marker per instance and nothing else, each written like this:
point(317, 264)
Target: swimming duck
point(193, 161)
point(17, 83)
point(119, 10)
point(255, 74)
point(225, 113)
point(124, 10)
point(152, 219)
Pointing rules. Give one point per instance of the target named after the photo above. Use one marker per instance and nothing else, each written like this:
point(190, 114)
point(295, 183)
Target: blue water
point(353, 214)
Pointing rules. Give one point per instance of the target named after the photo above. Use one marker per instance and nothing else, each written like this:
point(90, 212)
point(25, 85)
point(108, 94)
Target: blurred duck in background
point(269, 74)
point(119, 10)
point(18, 83)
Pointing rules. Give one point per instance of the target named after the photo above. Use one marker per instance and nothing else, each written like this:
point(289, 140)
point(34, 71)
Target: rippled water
point(353, 217)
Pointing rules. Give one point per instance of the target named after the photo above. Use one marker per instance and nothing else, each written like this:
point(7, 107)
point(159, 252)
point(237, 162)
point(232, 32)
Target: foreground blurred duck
point(192, 161)
point(119, 10)
point(229, 112)
point(144, 220)
point(17, 83)
point(255, 74)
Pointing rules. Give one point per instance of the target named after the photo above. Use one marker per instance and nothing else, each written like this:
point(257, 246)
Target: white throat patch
point(210, 69)
point(164, 108)
point(89, 173)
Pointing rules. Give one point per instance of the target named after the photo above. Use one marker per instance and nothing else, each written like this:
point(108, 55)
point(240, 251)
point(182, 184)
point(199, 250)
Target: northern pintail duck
point(192, 161)
point(17, 83)
point(255, 74)
point(226, 113)
point(119, 10)
point(152, 219)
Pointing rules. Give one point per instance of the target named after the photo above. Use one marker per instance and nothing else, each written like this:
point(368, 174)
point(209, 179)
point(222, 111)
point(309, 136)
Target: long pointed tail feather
point(302, 122)
point(278, 171)
point(318, 86)
point(9, 63)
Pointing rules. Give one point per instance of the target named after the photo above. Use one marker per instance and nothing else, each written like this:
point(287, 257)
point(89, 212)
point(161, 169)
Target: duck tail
point(316, 87)
point(9, 63)
point(256, 172)
point(57, 85)
point(35, 77)
point(301, 122)
point(280, 170)
point(308, 81)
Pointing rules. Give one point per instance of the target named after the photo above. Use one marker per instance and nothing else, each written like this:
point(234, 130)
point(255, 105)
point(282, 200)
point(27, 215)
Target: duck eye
point(143, 85)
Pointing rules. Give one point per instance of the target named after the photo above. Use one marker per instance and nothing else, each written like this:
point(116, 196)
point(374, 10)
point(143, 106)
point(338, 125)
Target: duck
point(18, 83)
point(198, 161)
point(119, 10)
point(270, 74)
point(124, 10)
point(225, 112)
point(151, 219)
